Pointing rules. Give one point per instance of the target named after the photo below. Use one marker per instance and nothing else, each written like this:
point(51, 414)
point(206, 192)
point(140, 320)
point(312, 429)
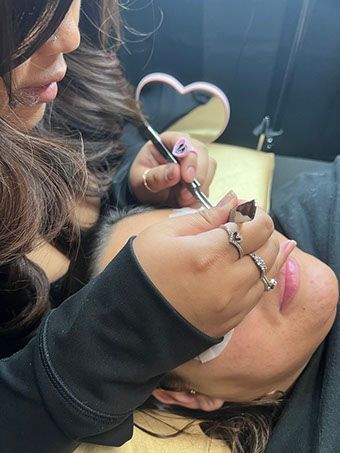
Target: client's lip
point(289, 280)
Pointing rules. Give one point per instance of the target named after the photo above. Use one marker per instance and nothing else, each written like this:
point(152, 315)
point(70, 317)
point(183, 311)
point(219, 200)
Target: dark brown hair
point(244, 427)
point(45, 171)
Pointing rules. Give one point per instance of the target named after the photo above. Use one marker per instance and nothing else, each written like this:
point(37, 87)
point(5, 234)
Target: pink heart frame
point(213, 90)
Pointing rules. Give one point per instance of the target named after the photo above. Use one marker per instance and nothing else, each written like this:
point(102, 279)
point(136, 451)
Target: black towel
point(308, 210)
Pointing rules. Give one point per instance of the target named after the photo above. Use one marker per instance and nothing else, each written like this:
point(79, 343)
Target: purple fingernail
point(182, 148)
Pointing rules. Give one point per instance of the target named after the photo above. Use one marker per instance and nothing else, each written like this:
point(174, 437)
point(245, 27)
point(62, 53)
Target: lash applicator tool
point(194, 187)
point(242, 213)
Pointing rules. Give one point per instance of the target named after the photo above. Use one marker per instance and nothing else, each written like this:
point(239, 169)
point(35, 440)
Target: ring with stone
point(234, 236)
point(260, 263)
point(269, 284)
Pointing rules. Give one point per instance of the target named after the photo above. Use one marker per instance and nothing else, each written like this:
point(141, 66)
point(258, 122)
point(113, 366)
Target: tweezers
point(194, 187)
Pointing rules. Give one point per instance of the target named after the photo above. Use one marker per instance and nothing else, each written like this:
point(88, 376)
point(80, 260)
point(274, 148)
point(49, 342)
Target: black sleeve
point(94, 360)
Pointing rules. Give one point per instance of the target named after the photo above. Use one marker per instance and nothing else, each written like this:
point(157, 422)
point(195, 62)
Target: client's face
point(275, 341)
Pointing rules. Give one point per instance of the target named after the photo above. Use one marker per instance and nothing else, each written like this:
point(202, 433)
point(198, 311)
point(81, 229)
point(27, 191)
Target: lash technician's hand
point(192, 262)
point(154, 180)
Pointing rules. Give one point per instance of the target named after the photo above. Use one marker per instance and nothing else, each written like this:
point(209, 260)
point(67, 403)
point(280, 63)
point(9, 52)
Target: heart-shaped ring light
point(200, 109)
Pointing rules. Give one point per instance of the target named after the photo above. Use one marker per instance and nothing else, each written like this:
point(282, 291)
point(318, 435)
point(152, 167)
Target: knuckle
point(274, 246)
point(155, 179)
point(202, 264)
point(269, 224)
point(207, 216)
point(192, 158)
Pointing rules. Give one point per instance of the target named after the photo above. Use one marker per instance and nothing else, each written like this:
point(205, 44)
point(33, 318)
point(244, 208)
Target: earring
point(53, 38)
point(192, 392)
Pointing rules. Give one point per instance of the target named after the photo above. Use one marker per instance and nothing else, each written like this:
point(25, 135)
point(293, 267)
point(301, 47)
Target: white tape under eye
point(216, 350)
point(183, 211)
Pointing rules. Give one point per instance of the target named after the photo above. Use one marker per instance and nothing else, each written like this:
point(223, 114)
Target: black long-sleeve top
point(93, 360)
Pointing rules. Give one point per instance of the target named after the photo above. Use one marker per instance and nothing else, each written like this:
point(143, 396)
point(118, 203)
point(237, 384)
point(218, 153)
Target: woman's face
point(275, 341)
point(35, 81)
point(272, 345)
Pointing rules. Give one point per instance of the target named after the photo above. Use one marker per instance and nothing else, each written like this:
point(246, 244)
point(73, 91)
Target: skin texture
point(46, 63)
point(269, 348)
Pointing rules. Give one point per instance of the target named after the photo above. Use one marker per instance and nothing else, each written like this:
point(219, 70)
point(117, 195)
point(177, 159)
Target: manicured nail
point(286, 249)
point(182, 148)
point(288, 246)
point(231, 195)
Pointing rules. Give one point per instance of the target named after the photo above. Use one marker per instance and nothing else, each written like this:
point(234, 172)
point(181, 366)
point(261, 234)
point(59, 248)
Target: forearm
point(95, 359)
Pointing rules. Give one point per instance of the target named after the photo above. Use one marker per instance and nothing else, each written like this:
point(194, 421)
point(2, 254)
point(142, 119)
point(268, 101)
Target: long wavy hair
point(71, 154)
point(244, 427)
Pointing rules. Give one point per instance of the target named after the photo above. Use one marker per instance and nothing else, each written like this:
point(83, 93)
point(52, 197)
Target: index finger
point(254, 234)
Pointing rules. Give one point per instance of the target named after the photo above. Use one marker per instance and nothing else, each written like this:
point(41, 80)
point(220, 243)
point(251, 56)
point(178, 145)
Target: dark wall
point(254, 51)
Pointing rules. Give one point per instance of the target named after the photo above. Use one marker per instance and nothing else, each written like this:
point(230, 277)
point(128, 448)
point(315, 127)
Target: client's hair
point(245, 427)
point(104, 230)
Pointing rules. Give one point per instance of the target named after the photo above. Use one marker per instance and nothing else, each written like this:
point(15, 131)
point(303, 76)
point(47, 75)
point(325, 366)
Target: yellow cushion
point(192, 441)
point(248, 172)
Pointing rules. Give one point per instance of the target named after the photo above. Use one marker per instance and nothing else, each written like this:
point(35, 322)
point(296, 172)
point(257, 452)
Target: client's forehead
point(129, 226)
point(134, 224)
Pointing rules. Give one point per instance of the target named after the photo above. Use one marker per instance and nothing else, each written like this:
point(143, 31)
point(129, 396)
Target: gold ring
point(145, 182)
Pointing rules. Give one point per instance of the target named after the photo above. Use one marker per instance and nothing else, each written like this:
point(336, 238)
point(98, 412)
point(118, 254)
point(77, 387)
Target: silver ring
point(269, 284)
point(260, 263)
point(235, 238)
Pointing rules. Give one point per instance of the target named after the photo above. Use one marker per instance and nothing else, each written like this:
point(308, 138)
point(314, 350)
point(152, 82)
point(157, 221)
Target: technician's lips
point(46, 93)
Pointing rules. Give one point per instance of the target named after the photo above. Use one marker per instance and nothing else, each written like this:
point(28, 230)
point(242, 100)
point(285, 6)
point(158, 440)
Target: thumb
point(199, 222)
point(163, 177)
